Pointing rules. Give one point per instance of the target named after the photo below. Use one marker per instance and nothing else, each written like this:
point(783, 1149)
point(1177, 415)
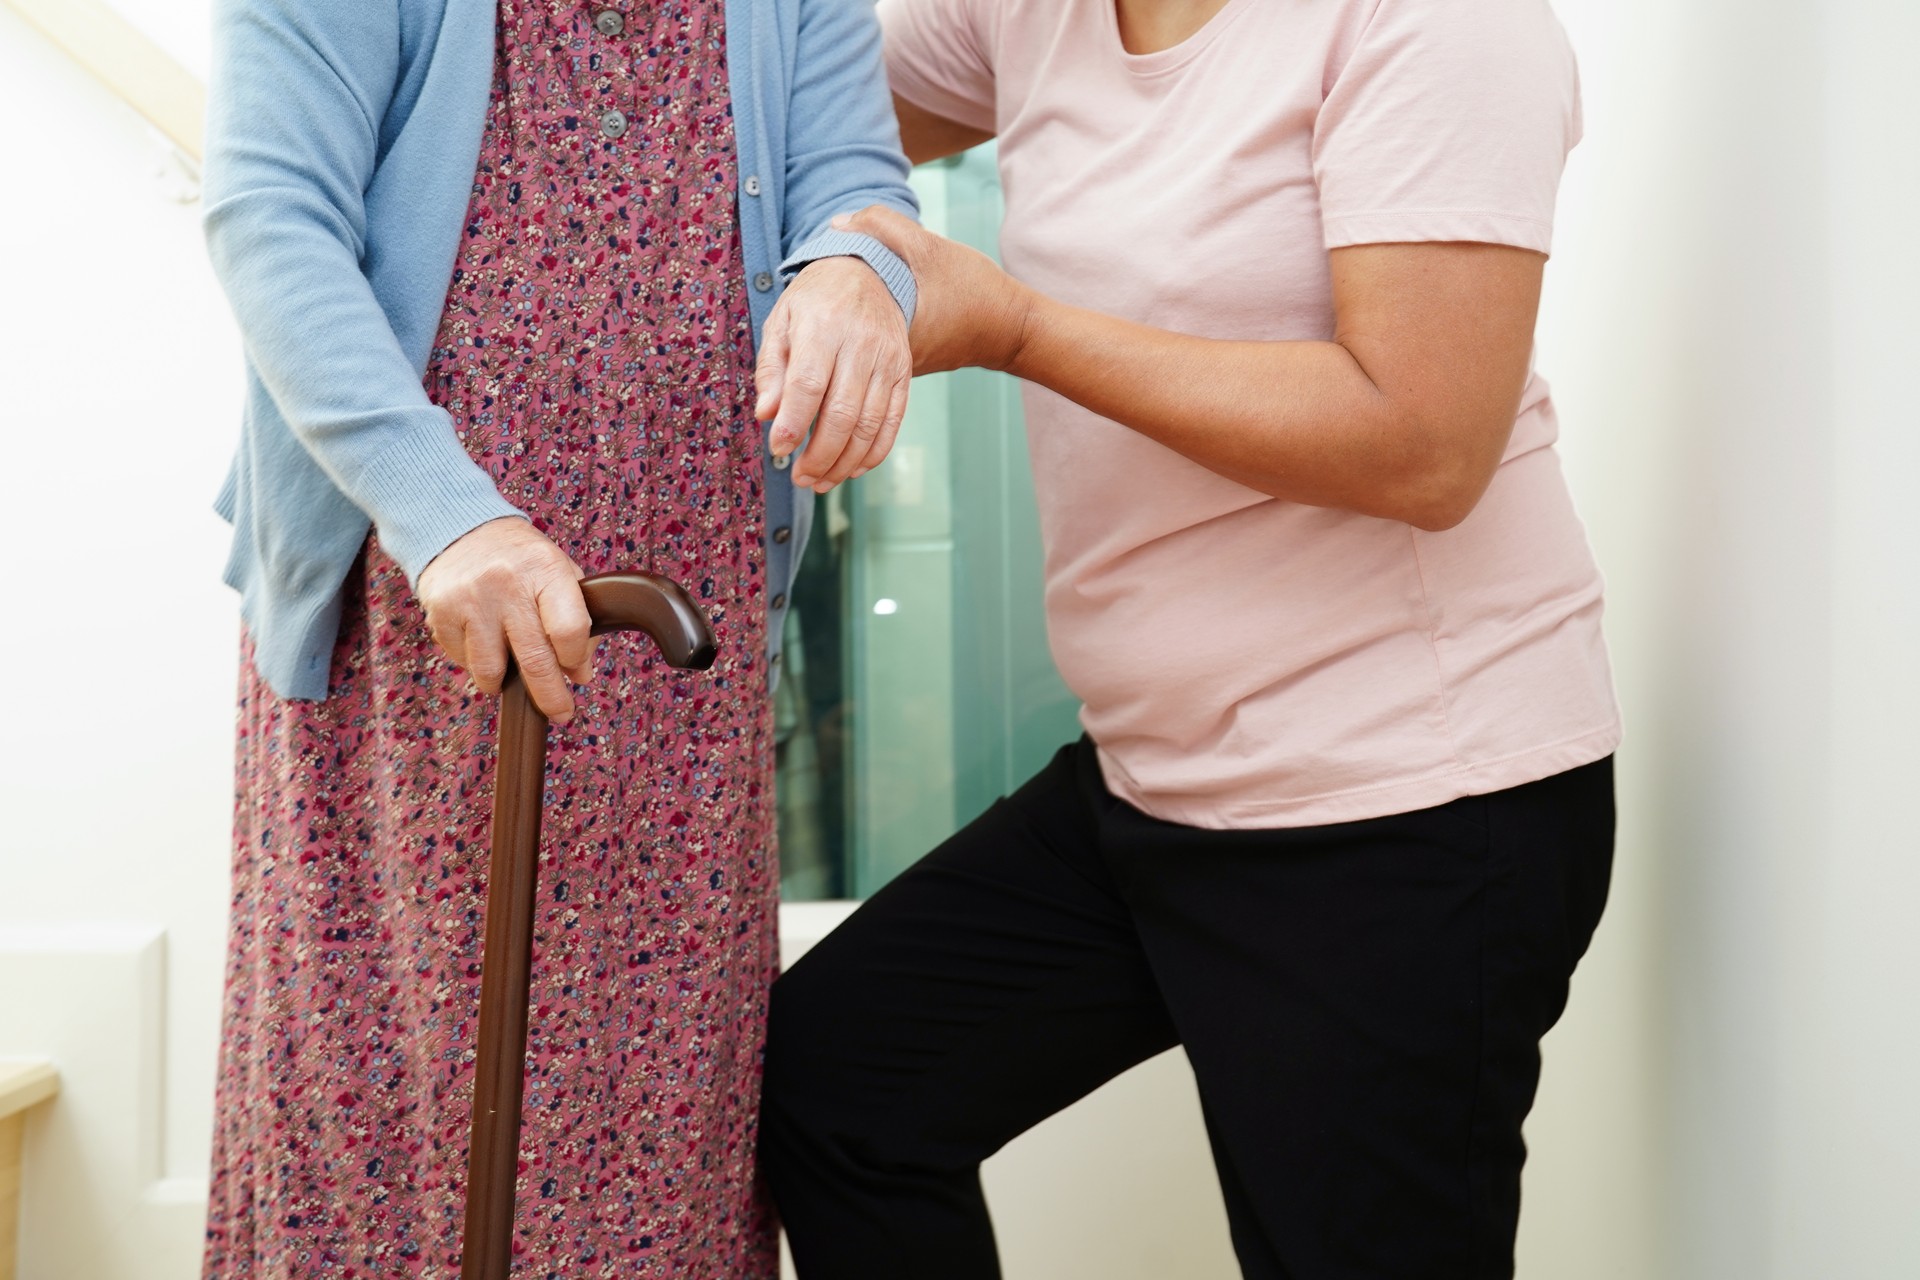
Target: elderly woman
point(501, 273)
point(1342, 822)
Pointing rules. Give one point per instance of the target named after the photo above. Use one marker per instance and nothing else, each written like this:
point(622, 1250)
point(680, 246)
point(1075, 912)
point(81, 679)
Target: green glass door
point(918, 685)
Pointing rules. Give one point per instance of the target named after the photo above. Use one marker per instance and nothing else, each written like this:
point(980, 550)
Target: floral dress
point(596, 355)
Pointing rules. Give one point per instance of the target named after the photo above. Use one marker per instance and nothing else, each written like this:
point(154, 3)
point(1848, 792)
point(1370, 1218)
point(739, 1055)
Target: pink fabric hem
point(1329, 808)
point(1426, 226)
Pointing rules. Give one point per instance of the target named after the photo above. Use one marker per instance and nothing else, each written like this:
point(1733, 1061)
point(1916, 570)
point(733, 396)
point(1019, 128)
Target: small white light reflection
point(884, 606)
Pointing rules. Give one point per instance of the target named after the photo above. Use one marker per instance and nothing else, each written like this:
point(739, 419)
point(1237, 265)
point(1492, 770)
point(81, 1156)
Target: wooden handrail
point(127, 61)
point(24, 1083)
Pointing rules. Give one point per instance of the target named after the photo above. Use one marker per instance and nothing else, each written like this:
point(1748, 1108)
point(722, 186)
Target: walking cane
point(617, 602)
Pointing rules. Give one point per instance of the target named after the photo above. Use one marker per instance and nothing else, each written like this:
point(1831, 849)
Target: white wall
point(1688, 356)
point(1849, 1185)
point(119, 401)
point(1731, 329)
point(1732, 332)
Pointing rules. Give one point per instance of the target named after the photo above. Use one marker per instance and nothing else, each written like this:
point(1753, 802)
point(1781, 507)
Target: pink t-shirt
point(1247, 662)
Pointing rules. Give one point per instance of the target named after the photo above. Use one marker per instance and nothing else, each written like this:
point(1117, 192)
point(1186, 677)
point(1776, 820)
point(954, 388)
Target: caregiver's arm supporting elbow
point(1404, 415)
point(925, 136)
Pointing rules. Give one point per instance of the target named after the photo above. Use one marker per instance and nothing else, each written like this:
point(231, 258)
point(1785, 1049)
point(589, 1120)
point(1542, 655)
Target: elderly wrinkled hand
point(970, 313)
point(834, 355)
point(505, 589)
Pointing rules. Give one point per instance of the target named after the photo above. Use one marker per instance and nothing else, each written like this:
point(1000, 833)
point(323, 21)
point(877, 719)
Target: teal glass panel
point(918, 684)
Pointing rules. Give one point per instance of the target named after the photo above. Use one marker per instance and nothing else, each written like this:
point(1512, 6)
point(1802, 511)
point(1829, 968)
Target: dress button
point(782, 462)
point(609, 23)
point(752, 184)
point(782, 535)
point(614, 123)
point(763, 281)
point(780, 601)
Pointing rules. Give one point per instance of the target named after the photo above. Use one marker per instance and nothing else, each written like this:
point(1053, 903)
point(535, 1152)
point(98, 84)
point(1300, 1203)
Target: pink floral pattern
point(596, 355)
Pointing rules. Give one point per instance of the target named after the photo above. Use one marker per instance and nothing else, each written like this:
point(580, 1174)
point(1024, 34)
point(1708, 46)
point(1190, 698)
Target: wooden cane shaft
point(616, 602)
point(493, 1163)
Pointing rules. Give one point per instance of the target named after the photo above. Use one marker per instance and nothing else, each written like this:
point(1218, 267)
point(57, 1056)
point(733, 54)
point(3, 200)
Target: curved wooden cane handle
point(617, 602)
point(655, 605)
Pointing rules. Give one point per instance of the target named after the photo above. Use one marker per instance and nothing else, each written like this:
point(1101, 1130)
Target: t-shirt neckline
point(1161, 61)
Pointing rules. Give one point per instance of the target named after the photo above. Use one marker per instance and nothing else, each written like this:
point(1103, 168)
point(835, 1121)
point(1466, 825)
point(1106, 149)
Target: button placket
point(611, 23)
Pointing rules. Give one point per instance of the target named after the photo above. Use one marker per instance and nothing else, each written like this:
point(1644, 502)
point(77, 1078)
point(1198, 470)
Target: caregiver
point(1343, 818)
point(570, 218)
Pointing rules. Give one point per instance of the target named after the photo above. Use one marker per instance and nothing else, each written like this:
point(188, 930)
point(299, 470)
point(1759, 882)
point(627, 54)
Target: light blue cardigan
point(342, 141)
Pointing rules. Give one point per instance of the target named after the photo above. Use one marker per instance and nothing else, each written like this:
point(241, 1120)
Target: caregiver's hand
point(504, 584)
point(970, 311)
point(1405, 413)
point(834, 355)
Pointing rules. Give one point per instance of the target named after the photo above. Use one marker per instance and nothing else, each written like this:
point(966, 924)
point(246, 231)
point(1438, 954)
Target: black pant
point(1362, 1005)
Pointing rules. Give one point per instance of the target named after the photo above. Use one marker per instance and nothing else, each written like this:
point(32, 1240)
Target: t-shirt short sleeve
point(1448, 122)
point(940, 56)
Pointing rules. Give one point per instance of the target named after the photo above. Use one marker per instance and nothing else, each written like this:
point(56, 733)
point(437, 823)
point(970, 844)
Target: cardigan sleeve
point(843, 143)
point(300, 89)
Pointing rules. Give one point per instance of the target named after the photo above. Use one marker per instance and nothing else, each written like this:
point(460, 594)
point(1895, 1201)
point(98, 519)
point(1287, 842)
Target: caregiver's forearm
point(1302, 421)
point(925, 136)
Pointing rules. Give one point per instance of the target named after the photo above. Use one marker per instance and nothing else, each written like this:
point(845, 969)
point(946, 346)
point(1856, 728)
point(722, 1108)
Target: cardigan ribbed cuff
point(887, 264)
point(423, 493)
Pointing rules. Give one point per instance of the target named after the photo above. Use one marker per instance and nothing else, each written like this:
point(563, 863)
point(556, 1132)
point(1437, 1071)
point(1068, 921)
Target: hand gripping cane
point(617, 602)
